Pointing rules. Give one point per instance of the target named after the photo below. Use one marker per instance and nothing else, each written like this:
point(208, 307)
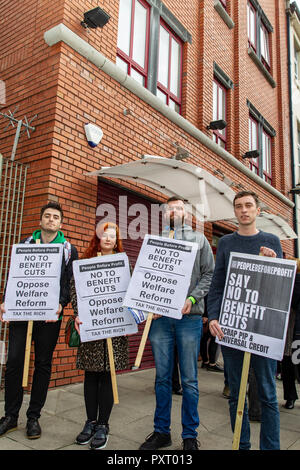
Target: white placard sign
point(161, 276)
point(101, 284)
point(256, 303)
point(33, 286)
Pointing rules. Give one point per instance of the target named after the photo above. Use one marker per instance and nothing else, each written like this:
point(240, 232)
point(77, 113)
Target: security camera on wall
point(93, 134)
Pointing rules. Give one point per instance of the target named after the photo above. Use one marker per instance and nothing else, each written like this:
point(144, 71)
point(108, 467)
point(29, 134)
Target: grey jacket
point(203, 266)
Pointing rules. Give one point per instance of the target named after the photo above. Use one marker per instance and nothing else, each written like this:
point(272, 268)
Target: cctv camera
point(93, 134)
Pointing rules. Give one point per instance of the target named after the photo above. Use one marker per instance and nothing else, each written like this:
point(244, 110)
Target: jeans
point(186, 333)
point(45, 336)
point(265, 371)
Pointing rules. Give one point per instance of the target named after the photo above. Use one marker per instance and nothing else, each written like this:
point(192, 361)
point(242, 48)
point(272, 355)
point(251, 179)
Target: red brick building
point(180, 65)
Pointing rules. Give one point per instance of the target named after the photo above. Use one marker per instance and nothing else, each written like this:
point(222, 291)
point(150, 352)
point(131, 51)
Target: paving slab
point(132, 419)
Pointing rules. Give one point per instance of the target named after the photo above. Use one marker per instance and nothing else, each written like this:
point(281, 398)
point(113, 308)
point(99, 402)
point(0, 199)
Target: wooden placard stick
point(146, 331)
point(241, 402)
point(112, 365)
point(28, 348)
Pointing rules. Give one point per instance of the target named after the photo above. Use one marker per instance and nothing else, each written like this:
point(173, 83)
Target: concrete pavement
point(132, 419)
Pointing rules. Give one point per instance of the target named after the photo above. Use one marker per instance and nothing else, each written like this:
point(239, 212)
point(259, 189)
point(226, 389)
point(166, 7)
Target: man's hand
point(215, 329)
point(187, 307)
point(156, 316)
point(2, 310)
point(264, 251)
point(57, 313)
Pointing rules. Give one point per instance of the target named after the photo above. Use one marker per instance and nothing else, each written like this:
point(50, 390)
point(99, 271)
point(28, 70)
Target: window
point(259, 29)
point(169, 68)
point(133, 39)
point(219, 112)
point(296, 60)
point(150, 50)
point(251, 13)
point(259, 139)
point(224, 3)
point(253, 144)
point(264, 46)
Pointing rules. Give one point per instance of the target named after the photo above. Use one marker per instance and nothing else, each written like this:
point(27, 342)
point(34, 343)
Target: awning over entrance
point(210, 198)
point(273, 224)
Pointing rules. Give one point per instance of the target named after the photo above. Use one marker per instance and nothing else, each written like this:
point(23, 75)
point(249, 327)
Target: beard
point(176, 222)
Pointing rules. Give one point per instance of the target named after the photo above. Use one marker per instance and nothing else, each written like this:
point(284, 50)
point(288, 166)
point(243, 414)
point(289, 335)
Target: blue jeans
point(186, 333)
point(265, 372)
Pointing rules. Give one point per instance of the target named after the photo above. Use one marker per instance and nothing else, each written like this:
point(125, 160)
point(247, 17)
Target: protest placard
point(161, 276)
point(33, 286)
point(101, 284)
point(256, 303)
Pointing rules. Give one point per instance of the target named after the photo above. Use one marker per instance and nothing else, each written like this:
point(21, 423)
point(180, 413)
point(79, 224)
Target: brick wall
point(66, 91)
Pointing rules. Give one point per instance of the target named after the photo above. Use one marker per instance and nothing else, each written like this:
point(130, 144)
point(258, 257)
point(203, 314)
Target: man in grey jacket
point(186, 333)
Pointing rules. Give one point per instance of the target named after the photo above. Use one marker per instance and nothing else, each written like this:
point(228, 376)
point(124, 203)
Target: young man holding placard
point(45, 333)
point(249, 240)
point(186, 333)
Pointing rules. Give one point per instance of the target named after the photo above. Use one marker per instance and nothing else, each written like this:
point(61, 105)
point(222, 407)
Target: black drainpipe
point(288, 12)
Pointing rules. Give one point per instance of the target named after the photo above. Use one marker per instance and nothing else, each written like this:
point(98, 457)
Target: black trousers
point(98, 396)
point(288, 378)
point(45, 336)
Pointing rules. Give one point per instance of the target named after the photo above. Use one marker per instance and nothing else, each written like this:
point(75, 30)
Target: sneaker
point(190, 443)
point(100, 437)
point(7, 424)
point(156, 440)
point(87, 433)
point(226, 392)
point(215, 368)
point(33, 429)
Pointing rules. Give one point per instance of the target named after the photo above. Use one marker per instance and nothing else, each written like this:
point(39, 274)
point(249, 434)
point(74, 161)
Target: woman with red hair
point(92, 356)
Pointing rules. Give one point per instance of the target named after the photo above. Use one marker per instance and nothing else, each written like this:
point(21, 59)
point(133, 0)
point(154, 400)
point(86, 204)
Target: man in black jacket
point(45, 334)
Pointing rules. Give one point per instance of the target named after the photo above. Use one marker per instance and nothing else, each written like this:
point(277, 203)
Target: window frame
point(263, 163)
point(128, 59)
point(250, 43)
point(167, 91)
point(217, 135)
point(158, 12)
point(263, 28)
point(254, 162)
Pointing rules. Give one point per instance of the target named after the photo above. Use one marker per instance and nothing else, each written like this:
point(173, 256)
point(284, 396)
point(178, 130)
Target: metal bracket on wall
point(22, 125)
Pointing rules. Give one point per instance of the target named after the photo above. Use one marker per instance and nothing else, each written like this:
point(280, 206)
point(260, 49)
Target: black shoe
point(177, 392)
point(254, 419)
point(7, 424)
point(215, 368)
point(33, 429)
point(204, 365)
point(226, 392)
point(100, 437)
point(289, 405)
point(190, 443)
point(156, 440)
point(87, 433)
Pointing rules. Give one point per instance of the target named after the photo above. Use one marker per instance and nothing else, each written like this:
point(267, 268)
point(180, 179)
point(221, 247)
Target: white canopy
point(210, 198)
point(273, 224)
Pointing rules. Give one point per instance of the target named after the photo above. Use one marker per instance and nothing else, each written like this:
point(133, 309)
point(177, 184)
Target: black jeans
point(45, 336)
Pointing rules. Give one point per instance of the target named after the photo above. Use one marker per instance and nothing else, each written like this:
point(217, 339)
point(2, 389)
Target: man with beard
point(186, 333)
point(45, 334)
